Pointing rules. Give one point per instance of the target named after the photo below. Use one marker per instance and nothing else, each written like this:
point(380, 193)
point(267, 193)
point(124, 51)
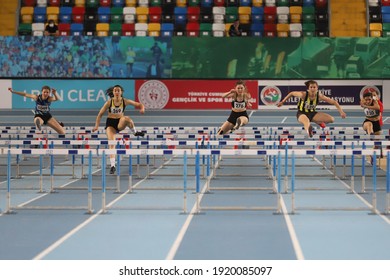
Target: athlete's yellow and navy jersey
point(117, 109)
point(306, 105)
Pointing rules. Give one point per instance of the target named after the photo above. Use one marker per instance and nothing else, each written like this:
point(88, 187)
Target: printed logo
point(370, 89)
point(153, 94)
point(270, 95)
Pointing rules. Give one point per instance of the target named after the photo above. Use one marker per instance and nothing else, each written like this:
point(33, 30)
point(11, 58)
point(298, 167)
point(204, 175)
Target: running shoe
point(139, 133)
point(37, 124)
point(322, 125)
point(112, 170)
point(310, 131)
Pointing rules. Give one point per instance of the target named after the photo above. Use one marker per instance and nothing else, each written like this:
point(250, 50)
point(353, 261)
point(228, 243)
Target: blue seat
point(65, 15)
point(180, 15)
point(385, 9)
point(118, 3)
point(257, 14)
point(207, 3)
point(40, 14)
point(245, 3)
point(104, 14)
point(166, 30)
point(257, 29)
point(308, 3)
point(386, 18)
point(76, 29)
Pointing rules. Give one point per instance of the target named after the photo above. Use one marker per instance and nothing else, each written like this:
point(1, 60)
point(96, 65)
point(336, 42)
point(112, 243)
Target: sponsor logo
point(153, 94)
point(270, 95)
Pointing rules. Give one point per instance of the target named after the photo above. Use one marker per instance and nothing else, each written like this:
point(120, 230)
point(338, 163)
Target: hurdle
point(10, 209)
point(351, 152)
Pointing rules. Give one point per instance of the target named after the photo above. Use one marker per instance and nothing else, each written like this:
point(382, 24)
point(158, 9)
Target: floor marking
point(56, 244)
point(284, 120)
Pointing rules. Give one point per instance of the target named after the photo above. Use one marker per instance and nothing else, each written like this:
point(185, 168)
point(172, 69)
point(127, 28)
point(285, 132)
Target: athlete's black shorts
point(113, 123)
point(235, 115)
point(310, 115)
point(375, 125)
point(45, 117)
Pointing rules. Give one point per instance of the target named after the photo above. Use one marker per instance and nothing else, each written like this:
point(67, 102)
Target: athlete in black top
point(307, 104)
point(238, 116)
point(372, 111)
point(116, 120)
point(42, 108)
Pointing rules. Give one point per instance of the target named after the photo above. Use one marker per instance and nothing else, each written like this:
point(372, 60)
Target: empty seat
point(270, 30)
point(207, 3)
point(257, 14)
point(257, 29)
point(92, 4)
point(105, 3)
point(257, 3)
point(205, 30)
point(244, 14)
point(269, 14)
point(192, 29)
point(129, 14)
point(283, 29)
point(218, 29)
point(102, 29)
point(219, 14)
point(308, 3)
point(65, 15)
point(375, 29)
point(142, 14)
point(67, 3)
point(64, 29)
point(193, 14)
point(90, 27)
point(52, 13)
point(308, 29)
point(219, 3)
point(295, 29)
point(131, 3)
point(155, 3)
point(283, 14)
point(78, 14)
point(39, 14)
point(141, 29)
point(245, 3)
point(25, 29)
point(76, 29)
point(116, 14)
point(231, 14)
point(154, 29)
point(104, 14)
point(128, 29)
point(167, 29)
point(27, 14)
point(118, 3)
point(295, 14)
point(29, 3)
point(38, 28)
point(181, 3)
point(155, 14)
point(180, 15)
point(41, 3)
point(193, 3)
point(79, 3)
point(143, 3)
point(115, 29)
point(54, 3)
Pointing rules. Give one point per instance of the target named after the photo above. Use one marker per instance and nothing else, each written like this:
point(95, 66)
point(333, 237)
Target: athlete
point(308, 101)
point(116, 120)
point(240, 102)
point(42, 114)
point(371, 124)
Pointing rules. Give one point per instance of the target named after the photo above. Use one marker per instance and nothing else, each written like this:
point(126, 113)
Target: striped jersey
point(306, 105)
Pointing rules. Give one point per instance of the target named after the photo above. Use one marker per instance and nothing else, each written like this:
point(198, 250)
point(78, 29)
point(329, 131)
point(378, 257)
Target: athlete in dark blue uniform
point(42, 114)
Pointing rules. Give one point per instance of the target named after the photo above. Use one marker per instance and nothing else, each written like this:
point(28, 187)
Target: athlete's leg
point(54, 124)
point(225, 128)
point(304, 120)
point(38, 122)
point(110, 132)
point(368, 128)
point(126, 121)
point(322, 118)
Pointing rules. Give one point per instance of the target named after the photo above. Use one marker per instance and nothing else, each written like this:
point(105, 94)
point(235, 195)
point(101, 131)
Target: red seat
point(193, 14)
point(155, 14)
point(54, 3)
point(320, 4)
point(192, 29)
point(78, 14)
point(219, 3)
point(105, 3)
point(270, 30)
point(128, 29)
point(270, 15)
point(29, 3)
point(64, 29)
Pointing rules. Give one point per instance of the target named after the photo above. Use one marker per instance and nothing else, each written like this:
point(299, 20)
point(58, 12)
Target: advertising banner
point(189, 94)
point(346, 93)
point(74, 94)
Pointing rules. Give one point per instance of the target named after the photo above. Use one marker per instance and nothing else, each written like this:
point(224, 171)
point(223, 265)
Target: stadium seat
point(218, 29)
point(118, 3)
point(245, 3)
point(295, 29)
point(26, 14)
point(167, 29)
point(219, 3)
point(90, 27)
point(244, 14)
point(65, 15)
point(129, 14)
point(375, 29)
point(141, 29)
point(38, 28)
point(270, 30)
point(283, 14)
point(155, 14)
point(92, 4)
point(54, 3)
point(207, 3)
point(78, 14)
point(79, 3)
point(142, 14)
point(105, 3)
point(232, 3)
point(25, 29)
point(52, 13)
point(180, 15)
point(76, 29)
point(41, 3)
point(29, 3)
point(193, 14)
point(181, 3)
point(295, 14)
point(64, 29)
point(102, 29)
point(155, 3)
point(257, 15)
point(219, 14)
point(128, 29)
point(269, 14)
point(257, 29)
point(67, 3)
point(283, 29)
point(154, 29)
point(116, 14)
point(257, 3)
point(104, 13)
point(192, 29)
point(205, 30)
point(39, 14)
point(308, 3)
point(115, 29)
point(143, 3)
